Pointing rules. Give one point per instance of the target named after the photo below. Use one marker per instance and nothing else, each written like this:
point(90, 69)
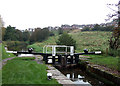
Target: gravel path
point(4, 61)
point(38, 59)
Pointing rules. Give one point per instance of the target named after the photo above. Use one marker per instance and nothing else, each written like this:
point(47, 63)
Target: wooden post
point(46, 59)
point(71, 61)
point(63, 61)
point(59, 58)
point(76, 59)
point(53, 59)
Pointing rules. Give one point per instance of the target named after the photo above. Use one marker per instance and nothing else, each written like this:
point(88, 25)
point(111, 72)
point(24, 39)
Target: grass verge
point(19, 71)
point(4, 54)
point(38, 47)
point(108, 61)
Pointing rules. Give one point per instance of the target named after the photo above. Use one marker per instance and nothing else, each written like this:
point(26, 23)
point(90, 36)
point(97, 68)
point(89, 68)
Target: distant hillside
point(91, 40)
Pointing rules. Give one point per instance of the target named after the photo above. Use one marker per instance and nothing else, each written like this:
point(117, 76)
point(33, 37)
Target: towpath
point(4, 61)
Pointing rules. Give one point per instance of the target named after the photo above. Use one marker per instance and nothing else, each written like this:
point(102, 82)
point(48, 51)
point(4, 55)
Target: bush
point(66, 39)
point(4, 54)
point(113, 52)
point(16, 45)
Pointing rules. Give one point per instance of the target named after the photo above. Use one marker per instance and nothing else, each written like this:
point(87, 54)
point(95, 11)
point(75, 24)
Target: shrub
point(66, 39)
point(113, 52)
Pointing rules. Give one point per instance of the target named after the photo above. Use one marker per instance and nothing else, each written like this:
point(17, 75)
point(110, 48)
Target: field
point(91, 40)
point(21, 71)
point(38, 47)
point(85, 40)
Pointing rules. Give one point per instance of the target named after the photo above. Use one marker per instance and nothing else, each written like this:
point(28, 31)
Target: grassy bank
point(91, 40)
point(4, 54)
point(38, 47)
point(19, 71)
point(107, 61)
point(94, 40)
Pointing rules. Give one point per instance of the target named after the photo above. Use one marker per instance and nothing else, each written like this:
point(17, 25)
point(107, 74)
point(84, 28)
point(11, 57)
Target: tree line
point(12, 34)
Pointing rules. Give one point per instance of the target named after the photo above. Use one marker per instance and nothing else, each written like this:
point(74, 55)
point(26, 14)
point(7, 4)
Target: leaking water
point(79, 76)
point(25, 55)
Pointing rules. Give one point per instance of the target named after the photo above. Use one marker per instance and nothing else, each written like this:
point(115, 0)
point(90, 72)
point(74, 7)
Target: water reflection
point(80, 77)
point(68, 76)
point(82, 82)
point(26, 55)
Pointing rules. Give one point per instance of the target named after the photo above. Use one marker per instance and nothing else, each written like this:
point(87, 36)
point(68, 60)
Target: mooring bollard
point(49, 76)
point(30, 50)
point(86, 51)
point(76, 59)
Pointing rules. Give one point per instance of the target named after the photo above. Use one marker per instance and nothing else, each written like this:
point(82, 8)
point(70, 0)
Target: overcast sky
point(24, 14)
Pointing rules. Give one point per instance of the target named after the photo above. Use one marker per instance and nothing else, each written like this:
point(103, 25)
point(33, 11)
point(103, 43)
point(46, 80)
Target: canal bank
point(56, 74)
point(107, 76)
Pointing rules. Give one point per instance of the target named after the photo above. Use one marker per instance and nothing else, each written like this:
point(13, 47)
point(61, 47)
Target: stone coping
point(56, 74)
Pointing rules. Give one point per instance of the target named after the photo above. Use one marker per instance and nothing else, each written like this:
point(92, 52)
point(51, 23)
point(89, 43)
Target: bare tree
point(114, 41)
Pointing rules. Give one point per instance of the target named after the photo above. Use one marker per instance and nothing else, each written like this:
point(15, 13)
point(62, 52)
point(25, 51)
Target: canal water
point(80, 77)
point(25, 55)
